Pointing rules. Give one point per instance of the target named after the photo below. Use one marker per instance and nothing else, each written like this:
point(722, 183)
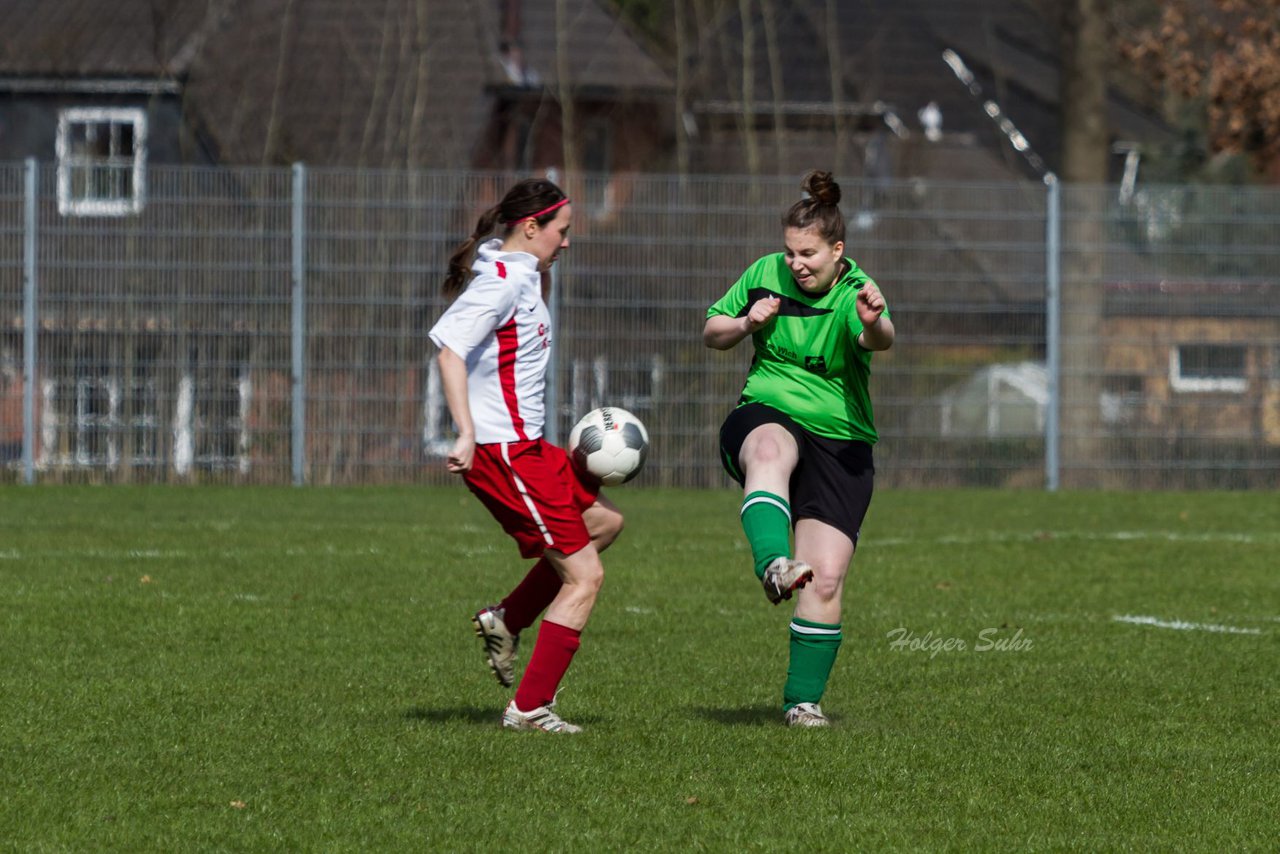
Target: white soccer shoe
point(542, 718)
point(499, 643)
point(784, 576)
point(806, 714)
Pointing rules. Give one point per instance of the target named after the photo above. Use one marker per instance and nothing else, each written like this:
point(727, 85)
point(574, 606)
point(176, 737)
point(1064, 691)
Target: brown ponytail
point(460, 260)
point(821, 210)
point(532, 198)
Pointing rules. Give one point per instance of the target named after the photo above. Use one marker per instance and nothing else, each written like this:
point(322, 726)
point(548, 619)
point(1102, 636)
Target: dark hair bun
point(821, 187)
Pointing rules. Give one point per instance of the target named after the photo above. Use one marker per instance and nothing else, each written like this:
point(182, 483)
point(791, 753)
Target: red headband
point(520, 219)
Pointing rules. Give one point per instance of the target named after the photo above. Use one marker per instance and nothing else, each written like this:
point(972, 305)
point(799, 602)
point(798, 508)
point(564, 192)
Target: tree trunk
point(1084, 92)
point(1084, 173)
point(777, 95)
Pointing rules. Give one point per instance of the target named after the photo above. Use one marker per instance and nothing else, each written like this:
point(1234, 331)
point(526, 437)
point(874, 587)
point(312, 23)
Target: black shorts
point(832, 482)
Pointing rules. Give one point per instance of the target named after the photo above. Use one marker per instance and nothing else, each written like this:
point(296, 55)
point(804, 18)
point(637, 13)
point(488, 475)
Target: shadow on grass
point(742, 716)
point(483, 716)
point(487, 716)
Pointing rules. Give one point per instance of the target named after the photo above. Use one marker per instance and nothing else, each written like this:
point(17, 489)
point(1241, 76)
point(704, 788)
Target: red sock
point(531, 596)
point(552, 653)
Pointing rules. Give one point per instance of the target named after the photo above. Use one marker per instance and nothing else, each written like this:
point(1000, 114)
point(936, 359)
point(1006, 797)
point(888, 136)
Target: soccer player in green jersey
point(800, 438)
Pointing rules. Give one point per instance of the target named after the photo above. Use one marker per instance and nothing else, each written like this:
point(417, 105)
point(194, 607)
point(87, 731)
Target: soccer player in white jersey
point(495, 341)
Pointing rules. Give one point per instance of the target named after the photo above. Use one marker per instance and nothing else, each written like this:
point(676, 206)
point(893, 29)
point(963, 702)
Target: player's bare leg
point(604, 522)
point(582, 575)
point(815, 629)
point(768, 457)
point(829, 551)
point(499, 626)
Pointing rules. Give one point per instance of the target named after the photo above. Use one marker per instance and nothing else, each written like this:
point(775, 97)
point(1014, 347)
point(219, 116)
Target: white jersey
point(501, 328)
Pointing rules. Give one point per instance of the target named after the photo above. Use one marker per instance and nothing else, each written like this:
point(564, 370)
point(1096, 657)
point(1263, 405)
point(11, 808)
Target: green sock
point(813, 652)
point(766, 519)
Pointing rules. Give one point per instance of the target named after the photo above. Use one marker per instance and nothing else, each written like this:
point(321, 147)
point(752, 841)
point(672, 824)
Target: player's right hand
point(764, 310)
point(462, 455)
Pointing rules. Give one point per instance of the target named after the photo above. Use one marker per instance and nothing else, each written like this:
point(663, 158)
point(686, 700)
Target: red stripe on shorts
point(526, 497)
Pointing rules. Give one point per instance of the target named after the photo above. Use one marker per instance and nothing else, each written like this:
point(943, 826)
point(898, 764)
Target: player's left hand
point(870, 304)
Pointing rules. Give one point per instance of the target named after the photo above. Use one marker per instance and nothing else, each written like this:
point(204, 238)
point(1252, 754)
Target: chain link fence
point(268, 326)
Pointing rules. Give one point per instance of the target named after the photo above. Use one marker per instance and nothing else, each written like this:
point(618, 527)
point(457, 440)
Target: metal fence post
point(299, 347)
point(1053, 329)
point(29, 331)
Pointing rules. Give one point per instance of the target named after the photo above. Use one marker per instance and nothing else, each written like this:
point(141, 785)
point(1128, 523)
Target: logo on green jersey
point(817, 364)
point(785, 353)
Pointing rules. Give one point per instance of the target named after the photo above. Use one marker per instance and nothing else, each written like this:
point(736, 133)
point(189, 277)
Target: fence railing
point(268, 326)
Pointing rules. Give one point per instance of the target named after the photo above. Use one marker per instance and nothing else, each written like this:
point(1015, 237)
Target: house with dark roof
point(161, 286)
point(1189, 359)
point(106, 89)
point(885, 91)
point(100, 94)
point(960, 90)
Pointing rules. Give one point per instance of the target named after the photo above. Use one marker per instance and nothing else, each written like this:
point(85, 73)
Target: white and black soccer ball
point(609, 443)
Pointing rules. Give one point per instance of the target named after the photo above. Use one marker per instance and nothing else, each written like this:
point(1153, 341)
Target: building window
point(1121, 399)
point(102, 158)
point(210, 423)
point(94, 420)
point(597, 163)
point(1208, 367)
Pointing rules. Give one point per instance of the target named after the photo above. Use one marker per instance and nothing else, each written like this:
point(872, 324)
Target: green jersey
point(808, 362)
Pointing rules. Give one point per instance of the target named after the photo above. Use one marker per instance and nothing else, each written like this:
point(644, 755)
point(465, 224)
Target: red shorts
point(535, 493)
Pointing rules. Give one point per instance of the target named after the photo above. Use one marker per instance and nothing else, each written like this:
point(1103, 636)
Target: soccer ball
point(610, 444)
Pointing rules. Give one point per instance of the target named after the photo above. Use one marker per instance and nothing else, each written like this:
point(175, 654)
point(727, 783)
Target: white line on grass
point(1049, 536)
point(1179, 537)
point(196, 554)
point(1183, 626)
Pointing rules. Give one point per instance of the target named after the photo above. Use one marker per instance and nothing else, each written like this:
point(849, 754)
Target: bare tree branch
point(681, 93)
point(748, 114)
point(831, 29)
point(568, 120)
point(770, 18)
point(277, 93)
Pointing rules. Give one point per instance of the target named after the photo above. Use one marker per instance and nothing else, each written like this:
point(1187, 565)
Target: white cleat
point(784, 576)
point(542, 718)
point(806, 714)
point(499, 643)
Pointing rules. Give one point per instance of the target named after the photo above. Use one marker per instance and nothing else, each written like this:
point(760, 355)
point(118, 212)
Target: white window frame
point(1181, 383)
point(73, 118)
point(189, 422)
point(68, 434)
point(598, 194)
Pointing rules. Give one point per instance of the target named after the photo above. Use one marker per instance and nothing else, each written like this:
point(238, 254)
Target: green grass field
point(271, 669)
